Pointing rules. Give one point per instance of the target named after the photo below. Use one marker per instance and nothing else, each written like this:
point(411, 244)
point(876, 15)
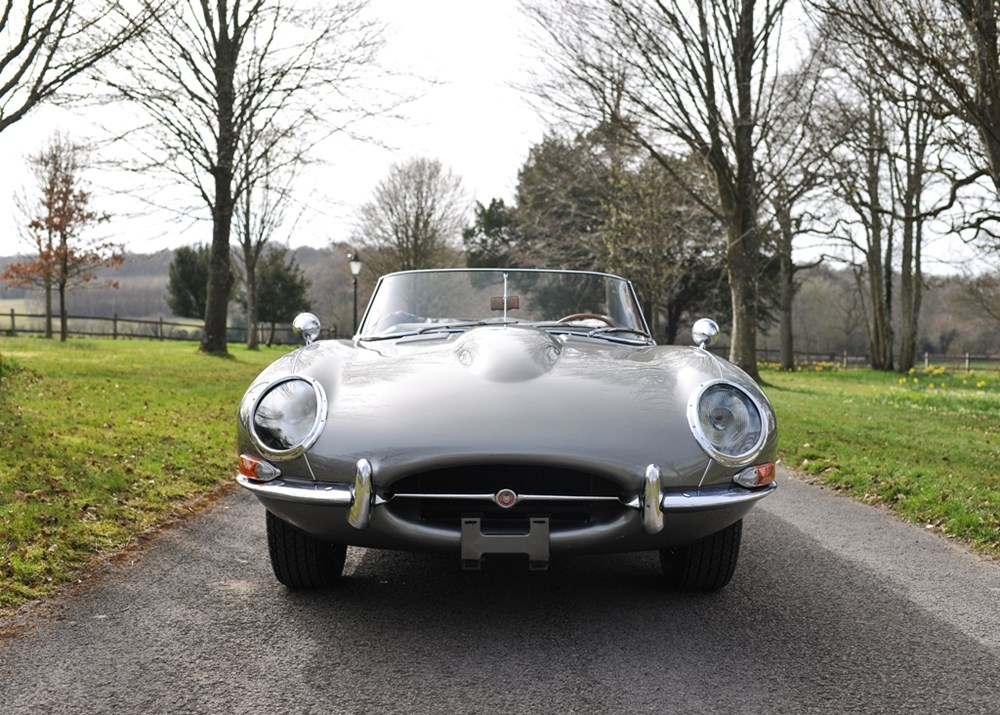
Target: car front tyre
point(299, 560)
point(705, 565)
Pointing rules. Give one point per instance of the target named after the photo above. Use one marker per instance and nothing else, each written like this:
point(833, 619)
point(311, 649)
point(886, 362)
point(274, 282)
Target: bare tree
point(46, 45)
point(792, 155)
point(414, 219)
point(858, 179)
point(683, 74)
point(235, 90)
point(911, 172)
point(261, 211)
point(893, 133)
point(950, 46)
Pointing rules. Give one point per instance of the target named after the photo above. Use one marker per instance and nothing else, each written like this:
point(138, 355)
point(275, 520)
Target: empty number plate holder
point(476, 544)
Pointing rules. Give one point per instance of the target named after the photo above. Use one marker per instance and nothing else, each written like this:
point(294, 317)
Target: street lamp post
point(355, 264)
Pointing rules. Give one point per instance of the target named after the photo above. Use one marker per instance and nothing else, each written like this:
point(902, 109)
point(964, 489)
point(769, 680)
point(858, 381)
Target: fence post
point(13, 326)
point(114, 327)
point(927, 361)
point(968, 364)
point(160, 328)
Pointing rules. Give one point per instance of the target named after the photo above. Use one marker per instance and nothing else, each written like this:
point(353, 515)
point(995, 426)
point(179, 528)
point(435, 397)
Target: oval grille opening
point(569, 498)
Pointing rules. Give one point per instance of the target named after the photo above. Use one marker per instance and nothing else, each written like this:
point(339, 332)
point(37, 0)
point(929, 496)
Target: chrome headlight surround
point(730, 424)
point(287, 438)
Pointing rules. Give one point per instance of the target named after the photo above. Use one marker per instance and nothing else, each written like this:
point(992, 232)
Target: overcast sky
point(472, 120)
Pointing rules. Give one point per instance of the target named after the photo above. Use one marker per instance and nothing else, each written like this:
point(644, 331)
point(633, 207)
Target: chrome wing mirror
point(307, 327)
point(705, 332)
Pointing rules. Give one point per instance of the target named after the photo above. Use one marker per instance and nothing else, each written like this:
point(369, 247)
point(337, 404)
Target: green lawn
point(102, 440)
point(926, 444)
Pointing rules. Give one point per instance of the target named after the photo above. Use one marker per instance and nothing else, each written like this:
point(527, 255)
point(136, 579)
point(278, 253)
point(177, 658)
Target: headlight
point(728, 423)
point(288, 417)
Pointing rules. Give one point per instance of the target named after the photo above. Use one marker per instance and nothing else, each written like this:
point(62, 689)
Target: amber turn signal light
point(257, 469)
point(754, 477)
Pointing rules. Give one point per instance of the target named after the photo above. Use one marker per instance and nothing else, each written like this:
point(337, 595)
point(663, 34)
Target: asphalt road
point(836, 607)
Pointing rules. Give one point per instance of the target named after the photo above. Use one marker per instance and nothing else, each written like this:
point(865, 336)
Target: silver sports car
point(505, 411)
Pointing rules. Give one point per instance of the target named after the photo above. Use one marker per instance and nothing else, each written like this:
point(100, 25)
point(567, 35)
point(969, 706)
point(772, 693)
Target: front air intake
point(506, 495)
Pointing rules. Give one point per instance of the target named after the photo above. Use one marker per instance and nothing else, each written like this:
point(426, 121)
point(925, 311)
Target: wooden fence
point(965, 361)
point(117, 327)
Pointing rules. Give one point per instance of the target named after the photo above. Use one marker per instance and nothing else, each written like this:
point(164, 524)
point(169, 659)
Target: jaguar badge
point(505, 498)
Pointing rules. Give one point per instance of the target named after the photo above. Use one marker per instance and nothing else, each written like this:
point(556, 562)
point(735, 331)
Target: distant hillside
point(142, 281)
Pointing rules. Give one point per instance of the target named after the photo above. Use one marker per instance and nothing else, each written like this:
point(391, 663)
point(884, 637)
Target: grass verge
point(103, 440)
point(925, 444)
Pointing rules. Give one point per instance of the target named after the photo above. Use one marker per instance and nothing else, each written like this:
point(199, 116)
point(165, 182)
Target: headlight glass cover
point(728, 423)
point(288, 417)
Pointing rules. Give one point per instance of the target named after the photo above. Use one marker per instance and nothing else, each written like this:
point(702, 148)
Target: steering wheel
point(585, 316)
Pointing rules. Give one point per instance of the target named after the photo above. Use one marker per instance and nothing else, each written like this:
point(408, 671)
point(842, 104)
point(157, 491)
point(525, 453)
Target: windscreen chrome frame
point(360, 335)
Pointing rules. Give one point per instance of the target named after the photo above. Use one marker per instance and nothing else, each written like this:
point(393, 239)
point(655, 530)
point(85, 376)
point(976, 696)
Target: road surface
point(836, 607)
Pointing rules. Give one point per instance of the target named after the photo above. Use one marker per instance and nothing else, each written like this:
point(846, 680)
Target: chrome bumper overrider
point(360, 498)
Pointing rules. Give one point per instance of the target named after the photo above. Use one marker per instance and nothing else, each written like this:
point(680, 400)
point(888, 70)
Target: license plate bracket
point(476, 544)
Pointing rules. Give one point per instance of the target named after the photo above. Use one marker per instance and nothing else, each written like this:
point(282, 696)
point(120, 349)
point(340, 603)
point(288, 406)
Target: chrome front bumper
point(652, 501)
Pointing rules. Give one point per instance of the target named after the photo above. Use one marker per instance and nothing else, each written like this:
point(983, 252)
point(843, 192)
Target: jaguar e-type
point(505, 411)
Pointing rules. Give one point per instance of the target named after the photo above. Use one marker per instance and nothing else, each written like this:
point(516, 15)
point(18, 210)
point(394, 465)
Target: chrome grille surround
point(570, 498)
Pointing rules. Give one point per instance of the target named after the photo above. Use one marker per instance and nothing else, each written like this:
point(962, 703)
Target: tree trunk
point(743, 350)
point(743, 249)
point(220, 277)
point(48, 305)
point(63, 279)
point(888, 286)
point(879, 340)
point(786, 298)
point(63, 323)
point(49, 264)
point(741, 265)
point(879, 326)
point(911, 298)
point(786, 278)
point(907, 300)
point(741, 268)
point(911, 277)
point(253, 338)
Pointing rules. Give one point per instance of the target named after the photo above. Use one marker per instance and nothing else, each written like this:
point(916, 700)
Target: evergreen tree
point(491, 238)
point(187, 286)
point(281, 288)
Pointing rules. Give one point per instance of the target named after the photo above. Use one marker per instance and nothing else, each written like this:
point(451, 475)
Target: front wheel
point(705, 565)
point(299, 560)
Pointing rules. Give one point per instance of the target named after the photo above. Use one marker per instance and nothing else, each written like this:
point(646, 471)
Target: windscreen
point(410, 301)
